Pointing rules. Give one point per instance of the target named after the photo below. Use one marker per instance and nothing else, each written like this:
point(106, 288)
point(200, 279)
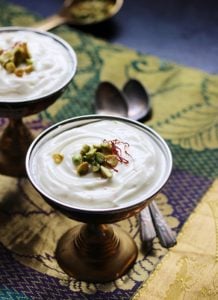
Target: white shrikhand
point(52, 66)
point(131, 183)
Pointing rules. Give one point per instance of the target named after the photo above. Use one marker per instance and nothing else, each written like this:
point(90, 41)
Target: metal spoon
point(81, 12)
point(139, 104)
point(147, 230)
point(166, 236)
point(110, 100)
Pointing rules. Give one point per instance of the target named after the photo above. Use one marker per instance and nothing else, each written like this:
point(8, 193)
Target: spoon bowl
point(109, 100)
point(138, 100)
point(81, 12)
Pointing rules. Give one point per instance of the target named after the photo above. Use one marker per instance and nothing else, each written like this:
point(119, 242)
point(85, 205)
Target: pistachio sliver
point(28, 69)
point(100, 158)
point(106, 148)
point(106, 173)
point(111, 160)
point(19, 72)
point(10, 67)
point(90, 154)
point(29, 61)
point(77, 159)
point(58, 158)
point(83, 168)
point(17, 59)
point(85, 149)
point(95, 167)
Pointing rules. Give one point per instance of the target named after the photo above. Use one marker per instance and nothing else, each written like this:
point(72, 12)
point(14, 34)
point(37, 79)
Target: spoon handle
point(50, 22)
point(165, 234)
point(148, 232)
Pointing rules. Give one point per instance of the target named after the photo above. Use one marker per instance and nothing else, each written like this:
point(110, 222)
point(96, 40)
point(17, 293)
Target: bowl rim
point(63, 43)
point(93, 117)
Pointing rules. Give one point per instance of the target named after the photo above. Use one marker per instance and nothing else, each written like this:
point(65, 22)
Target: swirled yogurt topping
point(52, 61)
point(131, 182)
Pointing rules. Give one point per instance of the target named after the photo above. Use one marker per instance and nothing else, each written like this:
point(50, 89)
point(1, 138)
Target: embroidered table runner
point(190, 268)
point(185, 104)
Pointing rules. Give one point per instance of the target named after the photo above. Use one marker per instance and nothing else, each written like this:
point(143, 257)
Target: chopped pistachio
point(6, 56)
point(19, 72)
point(83, 168)
point(85, 149)
point(106, 145)
point(95, 167)
point(28, 69)
point(105, 172)
point(112, 160)
point(29, 61)
point(77, 159)
point(17, 60)
point(21, 53)
point(18, 57)
point(97, 146)
point(90, 154)
point(106, 148)
point(100, 158)
point(10, 67)
point(57, 157)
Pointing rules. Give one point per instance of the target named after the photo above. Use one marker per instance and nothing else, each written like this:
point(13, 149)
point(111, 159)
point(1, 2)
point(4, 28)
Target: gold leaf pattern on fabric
point(82, 80)
point(84, 61)
point(190, 269)
point(57, 106)
point(73, 39)
point(194, 128)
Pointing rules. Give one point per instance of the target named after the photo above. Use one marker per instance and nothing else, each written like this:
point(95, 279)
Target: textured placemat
point(185, 105)
point(190, 269)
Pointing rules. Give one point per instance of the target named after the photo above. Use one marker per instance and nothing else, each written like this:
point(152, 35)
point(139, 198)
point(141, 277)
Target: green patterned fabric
point(185, 113)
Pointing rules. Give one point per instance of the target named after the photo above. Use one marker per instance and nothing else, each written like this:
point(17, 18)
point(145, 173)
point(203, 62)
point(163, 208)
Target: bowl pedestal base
point(14, 142)
point(96, 252)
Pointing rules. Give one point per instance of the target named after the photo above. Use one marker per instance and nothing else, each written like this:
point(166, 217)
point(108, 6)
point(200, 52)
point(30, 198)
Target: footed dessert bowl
point(98, 170)
point(35, 69)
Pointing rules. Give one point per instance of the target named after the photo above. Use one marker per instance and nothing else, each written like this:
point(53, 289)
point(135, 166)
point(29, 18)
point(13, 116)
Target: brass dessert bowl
point(16, 137)
point(95, 251)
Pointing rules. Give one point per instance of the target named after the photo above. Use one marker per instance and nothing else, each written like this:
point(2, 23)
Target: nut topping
point(17, 60)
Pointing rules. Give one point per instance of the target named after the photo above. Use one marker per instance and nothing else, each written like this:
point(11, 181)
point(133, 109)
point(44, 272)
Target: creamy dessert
point(135, 174)
point(33, 64)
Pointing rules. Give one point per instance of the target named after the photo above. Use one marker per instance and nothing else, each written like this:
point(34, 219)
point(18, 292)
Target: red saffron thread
point(116, 150)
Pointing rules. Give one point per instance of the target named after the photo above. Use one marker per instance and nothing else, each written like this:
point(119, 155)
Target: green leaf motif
point(194, 128)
